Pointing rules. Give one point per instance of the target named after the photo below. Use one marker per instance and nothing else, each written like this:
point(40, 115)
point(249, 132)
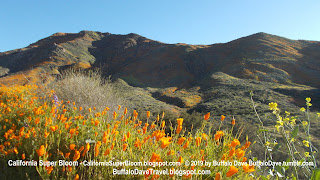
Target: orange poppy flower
point(46, 134)
point(207, 116)
point(235, 143)
point(77, 177)
point(218, 135)
point(246, 168)
point(21, 132)
point(244, 159)
point(147, 173)
point(218, 176)
point(67, 155)
point(69, 168)
point(170, 152)
point(233, 122)
point(240, 153)
point(198, 141)
point(124, 147)
point(37, 120)
point(87, 147)
point(180, 140)
point(72, 131)
point(27, 135)
point(154, 157)
point(96, 122)
point(107, 152)
point(76, 155)
point(204, 136)
point(15, 150)
point(179, 121)
point(124, 138)
point(148, 114)
point(179, 128)
point(41, 151)
point(246, 146)
point(165, 142)
point(96, 148)
point(54, 128)
point(231, 152)
point(137, 143)
point(186, 145)
point(81, 148)
point(222, 117)
point(233, 170)
point(115, 115)
point(144, 130)
point(49, 169)
point(72, 146)
point(163, 124)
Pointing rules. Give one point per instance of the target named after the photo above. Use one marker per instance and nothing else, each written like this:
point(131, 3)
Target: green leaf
point(294, 133)
point(276, 147)
point(263, 130)
point(264, 178)
point(287, 167)
point(280, 170)
point(315, 174)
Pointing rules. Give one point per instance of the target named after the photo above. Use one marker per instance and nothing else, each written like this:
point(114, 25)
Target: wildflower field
point(42, 137)
point(43, 129)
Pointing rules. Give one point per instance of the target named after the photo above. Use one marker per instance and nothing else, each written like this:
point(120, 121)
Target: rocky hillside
point(147, 63)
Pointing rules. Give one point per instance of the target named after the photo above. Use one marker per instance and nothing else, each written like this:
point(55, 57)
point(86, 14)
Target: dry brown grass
point(87, 89)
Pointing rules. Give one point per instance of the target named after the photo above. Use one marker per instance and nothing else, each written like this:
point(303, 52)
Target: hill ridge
point(145, 62)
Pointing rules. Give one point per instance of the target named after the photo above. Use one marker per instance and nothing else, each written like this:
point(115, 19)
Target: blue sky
point(23, 22)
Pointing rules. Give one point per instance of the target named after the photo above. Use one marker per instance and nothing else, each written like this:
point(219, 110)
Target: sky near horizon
point(23, 22)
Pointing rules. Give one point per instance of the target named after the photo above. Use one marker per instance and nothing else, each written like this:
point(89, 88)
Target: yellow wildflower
point(305, 143)
point(304, 123)
point(306, 154)
point(308, 99)
point(273, 106)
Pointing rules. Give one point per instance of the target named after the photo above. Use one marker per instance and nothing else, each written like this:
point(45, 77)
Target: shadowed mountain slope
point(147, 63)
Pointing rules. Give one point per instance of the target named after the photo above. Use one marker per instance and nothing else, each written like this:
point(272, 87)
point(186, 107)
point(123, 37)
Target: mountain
point(201, 78)
point(147, 63)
